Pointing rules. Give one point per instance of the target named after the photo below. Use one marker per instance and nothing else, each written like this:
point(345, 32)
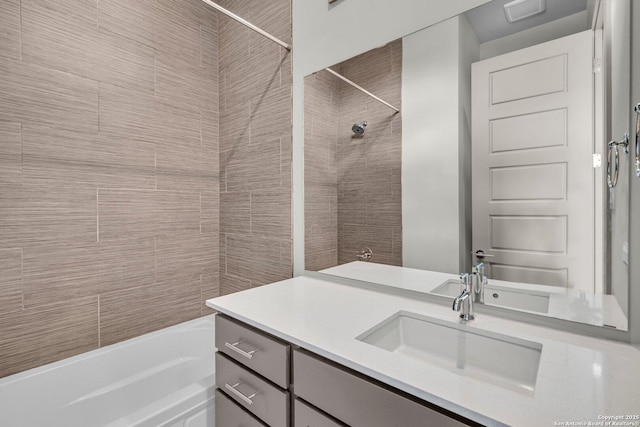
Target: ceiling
point(489, 21)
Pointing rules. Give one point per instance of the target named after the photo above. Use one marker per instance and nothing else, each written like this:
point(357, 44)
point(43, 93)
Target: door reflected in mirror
point(492, 158)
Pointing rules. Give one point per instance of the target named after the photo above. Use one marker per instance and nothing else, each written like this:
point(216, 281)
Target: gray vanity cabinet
point(230, 414)
point(356, 401)
point(305, 415)
point(263, 381)
point(252, 376)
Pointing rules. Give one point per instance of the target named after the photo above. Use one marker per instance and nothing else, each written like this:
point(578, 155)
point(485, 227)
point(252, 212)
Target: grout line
point(98, 106)
point(20, 30)
point(155, 259)
point(99, 328)
point(21, 156)
point(200, 45)
point(97, 214)
point(155, 72)
point(22, 276)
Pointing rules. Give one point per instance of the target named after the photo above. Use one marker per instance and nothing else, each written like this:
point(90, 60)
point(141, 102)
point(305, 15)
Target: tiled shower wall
point(321, 104)
point(108, 172)
point(361, 174)
point(369, 168)
point(255, 147)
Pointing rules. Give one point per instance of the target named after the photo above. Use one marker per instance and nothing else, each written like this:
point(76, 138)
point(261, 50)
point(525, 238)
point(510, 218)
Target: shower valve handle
point(366, 254)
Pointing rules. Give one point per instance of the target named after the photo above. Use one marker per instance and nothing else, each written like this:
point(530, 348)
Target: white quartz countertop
point(580, 379)
point(566, 304)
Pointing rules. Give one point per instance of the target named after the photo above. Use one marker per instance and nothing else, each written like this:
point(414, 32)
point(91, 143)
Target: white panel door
point(532, 165)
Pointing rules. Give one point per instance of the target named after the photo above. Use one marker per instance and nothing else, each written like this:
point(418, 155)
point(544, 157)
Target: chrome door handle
point(241, 352)
point(240, 395)
point(480, 254)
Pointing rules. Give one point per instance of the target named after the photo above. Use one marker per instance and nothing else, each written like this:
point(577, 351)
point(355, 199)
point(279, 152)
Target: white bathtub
point(165, 378)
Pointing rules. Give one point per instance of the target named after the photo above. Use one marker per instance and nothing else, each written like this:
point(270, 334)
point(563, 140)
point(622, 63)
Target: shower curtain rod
point(341, 77)
point(248, 24)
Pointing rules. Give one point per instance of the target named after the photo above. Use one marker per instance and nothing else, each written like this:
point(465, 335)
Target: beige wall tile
point(252, 167)
point(109, 172)
point(71, 159)
point(384, 210)
point(265, 62)
point(259, 259)
point(271, 213)
point(131, 312)
point(176, 36)
point(396, 246)
point(178, 78)
point(180, 165)
point(147, 118)
point(10, 280)
point(320, 260)
point(235, 130)
point(209, 54)
point(235, 212)
point(32, 214)
point(357, 237)
point(30, 93)
point(210, 289)
point(63, 271)
point(231, 284)
point(271, 115)
point(34, 337)
point(10, 29)
point(210, 140)
point(139, 213)
point(321, 179)
point(274, 17)
point(61, 41)
point(210, 211)
point(133, 19)
point(10, 153)
point(186, 256)
point(77, 11)
point(191, 13)
point(124, 62)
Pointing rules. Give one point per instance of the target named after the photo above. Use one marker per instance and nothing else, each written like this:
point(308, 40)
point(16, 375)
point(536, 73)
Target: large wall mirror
point(508, 150)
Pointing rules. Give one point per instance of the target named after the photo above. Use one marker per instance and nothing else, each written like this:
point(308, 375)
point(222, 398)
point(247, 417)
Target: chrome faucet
point(480, 280)
point(465, 299)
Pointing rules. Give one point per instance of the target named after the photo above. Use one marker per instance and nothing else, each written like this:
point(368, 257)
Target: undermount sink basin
point(488, 356)
point(501, 297)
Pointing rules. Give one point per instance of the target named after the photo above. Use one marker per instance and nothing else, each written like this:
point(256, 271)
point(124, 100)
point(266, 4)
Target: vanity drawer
point(307, 416)
point(266, 355)
point(356, 401)
point(256, 395)
point(228, 414)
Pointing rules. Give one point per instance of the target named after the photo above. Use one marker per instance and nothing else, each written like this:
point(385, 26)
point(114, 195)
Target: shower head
point(358, 128)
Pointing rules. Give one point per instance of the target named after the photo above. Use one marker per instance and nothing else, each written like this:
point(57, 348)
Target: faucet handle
point(464, 279)
point(479, 268)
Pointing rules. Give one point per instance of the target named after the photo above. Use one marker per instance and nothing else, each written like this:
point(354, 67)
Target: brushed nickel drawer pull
point(234, 347)
point(233, 390)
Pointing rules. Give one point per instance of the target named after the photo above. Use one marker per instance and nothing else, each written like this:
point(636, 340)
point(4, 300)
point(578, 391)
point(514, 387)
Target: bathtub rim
point(6, 381)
